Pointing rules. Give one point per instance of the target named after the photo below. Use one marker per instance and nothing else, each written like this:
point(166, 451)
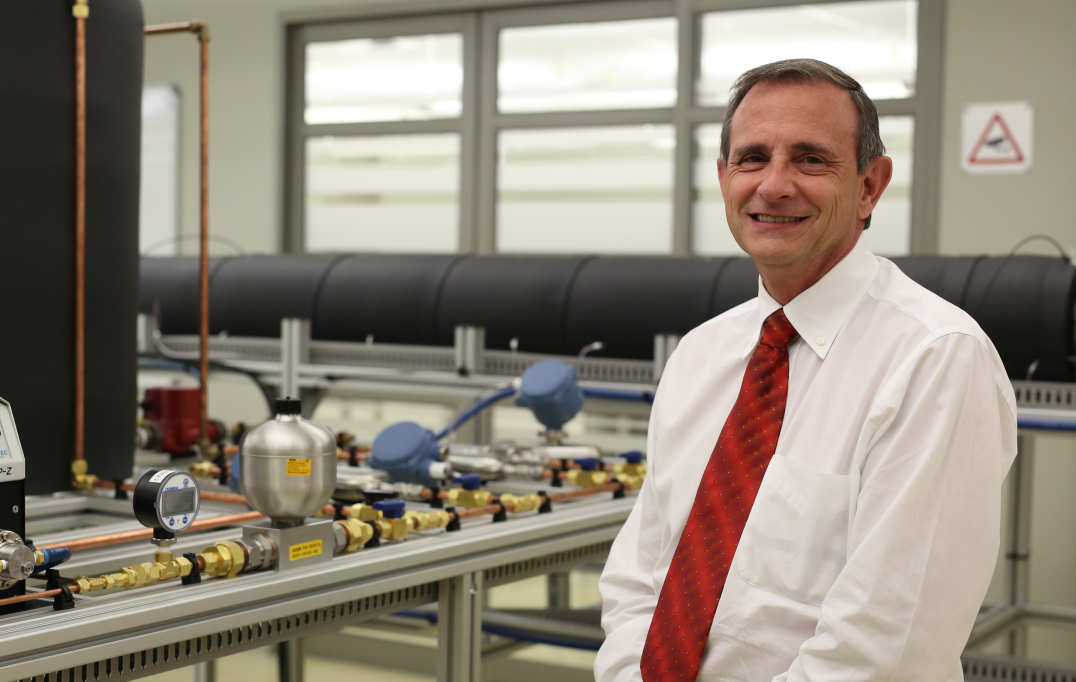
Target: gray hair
point(869, 141)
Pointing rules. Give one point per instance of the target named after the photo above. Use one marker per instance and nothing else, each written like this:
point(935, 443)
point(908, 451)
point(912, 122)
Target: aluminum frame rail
point(144, 631)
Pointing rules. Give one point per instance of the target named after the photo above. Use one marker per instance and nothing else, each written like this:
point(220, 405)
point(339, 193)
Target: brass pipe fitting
point(203, 469)
point(224, 559)
point(428, 520)
point(357, 533)
point(393, 529)
point(521, 503)
point(630, 482)
point(364, 512)
point(81, 480)
point(625, 469)
point(148, 573)
point(469, 499)
point(586, 479)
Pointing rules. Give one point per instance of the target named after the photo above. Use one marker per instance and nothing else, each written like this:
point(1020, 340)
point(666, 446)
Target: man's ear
point(871, 185)
point(721, 168)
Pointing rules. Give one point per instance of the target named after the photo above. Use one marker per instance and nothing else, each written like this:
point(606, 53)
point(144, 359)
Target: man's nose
point(777, 181)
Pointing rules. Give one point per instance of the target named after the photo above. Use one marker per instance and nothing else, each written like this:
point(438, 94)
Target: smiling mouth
point(766, 218)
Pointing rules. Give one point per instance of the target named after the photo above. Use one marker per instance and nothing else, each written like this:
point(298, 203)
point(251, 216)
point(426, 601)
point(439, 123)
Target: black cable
point(219, 365)
point(1001, 266)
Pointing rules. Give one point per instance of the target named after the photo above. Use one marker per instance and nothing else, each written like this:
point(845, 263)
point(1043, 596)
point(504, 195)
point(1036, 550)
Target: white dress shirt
point(875, 532)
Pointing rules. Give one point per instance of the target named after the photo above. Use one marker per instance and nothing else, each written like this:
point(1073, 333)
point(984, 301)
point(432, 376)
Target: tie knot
point(777, 331)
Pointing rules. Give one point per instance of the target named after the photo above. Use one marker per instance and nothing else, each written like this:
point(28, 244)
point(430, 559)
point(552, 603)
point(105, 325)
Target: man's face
point(793, 196)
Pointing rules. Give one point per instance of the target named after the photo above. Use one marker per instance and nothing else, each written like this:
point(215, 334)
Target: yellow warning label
point(304, 550)
point(298, 467)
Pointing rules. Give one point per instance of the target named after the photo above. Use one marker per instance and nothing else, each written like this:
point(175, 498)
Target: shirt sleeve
point(925, 529)
point(626, 583)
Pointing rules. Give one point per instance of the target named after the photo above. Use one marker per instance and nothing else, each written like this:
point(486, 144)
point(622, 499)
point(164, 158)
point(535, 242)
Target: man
point(846, 524)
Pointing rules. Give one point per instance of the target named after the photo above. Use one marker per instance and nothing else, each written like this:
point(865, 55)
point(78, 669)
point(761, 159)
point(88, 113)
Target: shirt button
point(820, 341)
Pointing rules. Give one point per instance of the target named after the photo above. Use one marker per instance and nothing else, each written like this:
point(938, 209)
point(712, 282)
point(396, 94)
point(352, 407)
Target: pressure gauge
point(166, 501)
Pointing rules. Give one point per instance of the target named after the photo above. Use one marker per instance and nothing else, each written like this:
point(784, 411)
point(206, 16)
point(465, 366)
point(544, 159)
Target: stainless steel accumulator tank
point(287, 466)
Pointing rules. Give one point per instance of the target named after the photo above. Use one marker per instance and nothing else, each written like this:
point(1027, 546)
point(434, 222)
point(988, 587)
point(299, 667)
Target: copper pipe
point(201, 30)
point(230, 498)
point(30, 596)
point(203, 273)
point(478, 511)
point(80, 11)
point(146, 533)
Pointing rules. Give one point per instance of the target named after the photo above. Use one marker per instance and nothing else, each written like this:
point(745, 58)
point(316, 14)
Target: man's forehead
point(812, 109)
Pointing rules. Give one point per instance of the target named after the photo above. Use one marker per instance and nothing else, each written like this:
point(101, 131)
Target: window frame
point(480, 22)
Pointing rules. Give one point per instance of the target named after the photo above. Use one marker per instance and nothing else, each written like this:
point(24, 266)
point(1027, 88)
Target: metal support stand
point(206, 671)
point(294, 352)
point(459, 629)
point(290, 660)
point(559, 590)
point(1019, 555)
point(470, 344)
point(664, 345)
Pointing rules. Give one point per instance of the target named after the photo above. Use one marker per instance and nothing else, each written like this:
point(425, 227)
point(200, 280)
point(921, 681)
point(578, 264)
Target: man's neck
point(786, 283)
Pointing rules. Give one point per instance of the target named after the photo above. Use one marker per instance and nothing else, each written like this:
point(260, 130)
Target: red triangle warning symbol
point(997, 144)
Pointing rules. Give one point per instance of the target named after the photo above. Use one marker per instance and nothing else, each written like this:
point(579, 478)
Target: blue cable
point(617, 394)
point(475, 409)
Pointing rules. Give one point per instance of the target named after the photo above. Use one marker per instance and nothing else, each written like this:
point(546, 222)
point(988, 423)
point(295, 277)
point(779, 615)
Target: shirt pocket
point(795, 540)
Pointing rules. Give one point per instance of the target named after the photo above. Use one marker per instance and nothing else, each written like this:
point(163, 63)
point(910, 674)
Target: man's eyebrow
point(751, 149)
point(813, 148)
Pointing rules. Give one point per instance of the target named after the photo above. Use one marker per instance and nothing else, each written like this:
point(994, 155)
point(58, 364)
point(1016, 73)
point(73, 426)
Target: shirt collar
point(819, 313)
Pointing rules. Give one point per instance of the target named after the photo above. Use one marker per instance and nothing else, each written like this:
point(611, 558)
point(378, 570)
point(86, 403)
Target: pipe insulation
point(558, 304)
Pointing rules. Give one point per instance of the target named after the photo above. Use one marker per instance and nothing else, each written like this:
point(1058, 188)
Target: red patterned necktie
point(685, 611)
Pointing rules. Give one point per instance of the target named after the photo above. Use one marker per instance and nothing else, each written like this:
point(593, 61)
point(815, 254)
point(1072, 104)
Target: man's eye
point(811, 158)
point(752, 158)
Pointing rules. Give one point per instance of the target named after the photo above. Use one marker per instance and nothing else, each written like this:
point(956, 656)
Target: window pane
point(385, 193)
point(874, 42)
point(605, 189)
point(890, 223)
point(384, 79)
point(606, 65)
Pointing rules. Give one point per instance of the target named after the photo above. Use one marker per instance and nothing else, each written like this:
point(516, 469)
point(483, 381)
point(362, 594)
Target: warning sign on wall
point(997, 137)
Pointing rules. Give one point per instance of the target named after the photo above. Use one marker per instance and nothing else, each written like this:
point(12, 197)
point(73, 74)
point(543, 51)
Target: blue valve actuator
point(468, 481)
point(632, 456)
point(550, 390)
point(587, 463)
point(405, 450)
point(390, 509)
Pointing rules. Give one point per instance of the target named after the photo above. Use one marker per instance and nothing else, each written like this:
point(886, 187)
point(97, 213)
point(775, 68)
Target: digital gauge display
point(177, 501)
point(166, 501)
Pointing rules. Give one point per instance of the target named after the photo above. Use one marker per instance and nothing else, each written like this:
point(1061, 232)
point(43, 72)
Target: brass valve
point(81, 480)
point(630, 482)
point(364, 512)
point(469, 499)
point(428, 520)
point(586, 479)
point(393, 529)
point(626, 469)
point(521, 503)
point(358, 534)
point(224, 559)
point(203, 469)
